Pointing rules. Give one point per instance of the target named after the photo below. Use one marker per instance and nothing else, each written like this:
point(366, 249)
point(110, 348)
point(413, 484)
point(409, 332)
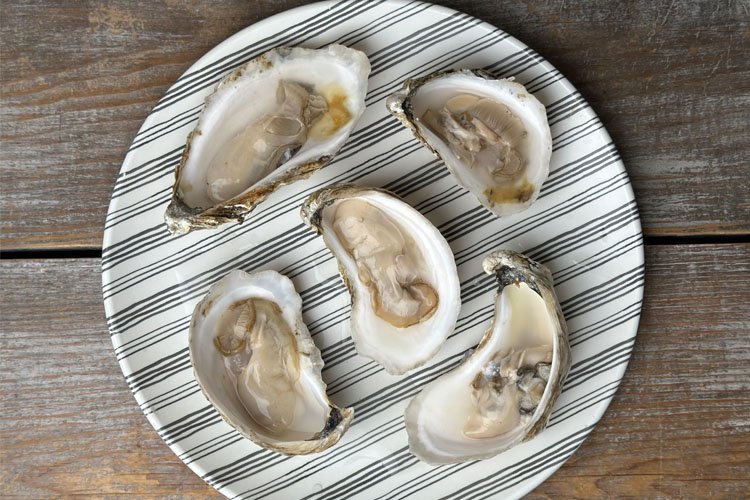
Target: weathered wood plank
point(68, 423)
point(78, 80)
point(669, 79)
point(679, 426)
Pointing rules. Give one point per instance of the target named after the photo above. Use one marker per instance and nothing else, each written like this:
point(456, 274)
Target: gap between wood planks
point(96, 253)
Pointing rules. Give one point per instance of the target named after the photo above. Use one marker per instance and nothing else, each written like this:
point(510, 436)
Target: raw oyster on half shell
point(503, 393)
point(256, 363)
point(398, 268)
point(272, 121)
point(492, 134)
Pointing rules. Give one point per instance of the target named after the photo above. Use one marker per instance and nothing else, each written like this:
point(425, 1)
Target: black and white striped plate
point(584, 227)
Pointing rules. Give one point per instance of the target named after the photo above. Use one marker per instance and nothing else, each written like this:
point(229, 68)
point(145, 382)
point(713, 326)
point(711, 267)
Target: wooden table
point(670, 80)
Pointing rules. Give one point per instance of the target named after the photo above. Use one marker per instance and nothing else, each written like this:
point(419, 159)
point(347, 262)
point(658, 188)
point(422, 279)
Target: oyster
point(398, 268)
point(274, 120)
point(257, 364)
point(503, 393)
point(492, 134)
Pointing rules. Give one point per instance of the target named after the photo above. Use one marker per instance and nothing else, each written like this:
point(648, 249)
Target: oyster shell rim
point(339, 419)
point(182, 219)
point(399, 105)
point(509, 267)
point(311, 214)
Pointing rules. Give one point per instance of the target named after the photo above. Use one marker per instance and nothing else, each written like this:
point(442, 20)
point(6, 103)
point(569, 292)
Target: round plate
point(584, 227)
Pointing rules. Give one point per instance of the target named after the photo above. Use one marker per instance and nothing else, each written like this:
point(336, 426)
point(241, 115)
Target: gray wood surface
point(670, 80)
point(679, 426)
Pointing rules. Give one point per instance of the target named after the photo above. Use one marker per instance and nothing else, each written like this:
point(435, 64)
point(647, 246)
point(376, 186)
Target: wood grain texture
point(670, 80)
point(68, 423)
point(77, 82)
point(679, 427)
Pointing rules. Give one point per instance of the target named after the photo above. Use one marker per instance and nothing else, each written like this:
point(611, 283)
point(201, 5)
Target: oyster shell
point(274, 120)
point(398, 268)
point(492, 134)
point(256, 363)
point(503, 393)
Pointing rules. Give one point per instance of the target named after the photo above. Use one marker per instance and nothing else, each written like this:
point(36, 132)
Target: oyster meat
point(398, 268)
point(492, 134)
point(503, 393)
point(274, 120)
point(256, 363)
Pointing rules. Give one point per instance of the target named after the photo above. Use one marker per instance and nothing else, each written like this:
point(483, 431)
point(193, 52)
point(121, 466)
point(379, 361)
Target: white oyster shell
point(245, 97)
point(315, 423)
point(397, 348)
point(528, 138)
point(497, 397)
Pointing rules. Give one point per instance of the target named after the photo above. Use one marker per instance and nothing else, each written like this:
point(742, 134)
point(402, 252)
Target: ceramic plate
point(584, 227)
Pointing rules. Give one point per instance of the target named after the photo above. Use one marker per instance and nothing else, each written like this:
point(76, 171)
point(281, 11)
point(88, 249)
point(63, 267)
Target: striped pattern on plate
point(584, 227)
